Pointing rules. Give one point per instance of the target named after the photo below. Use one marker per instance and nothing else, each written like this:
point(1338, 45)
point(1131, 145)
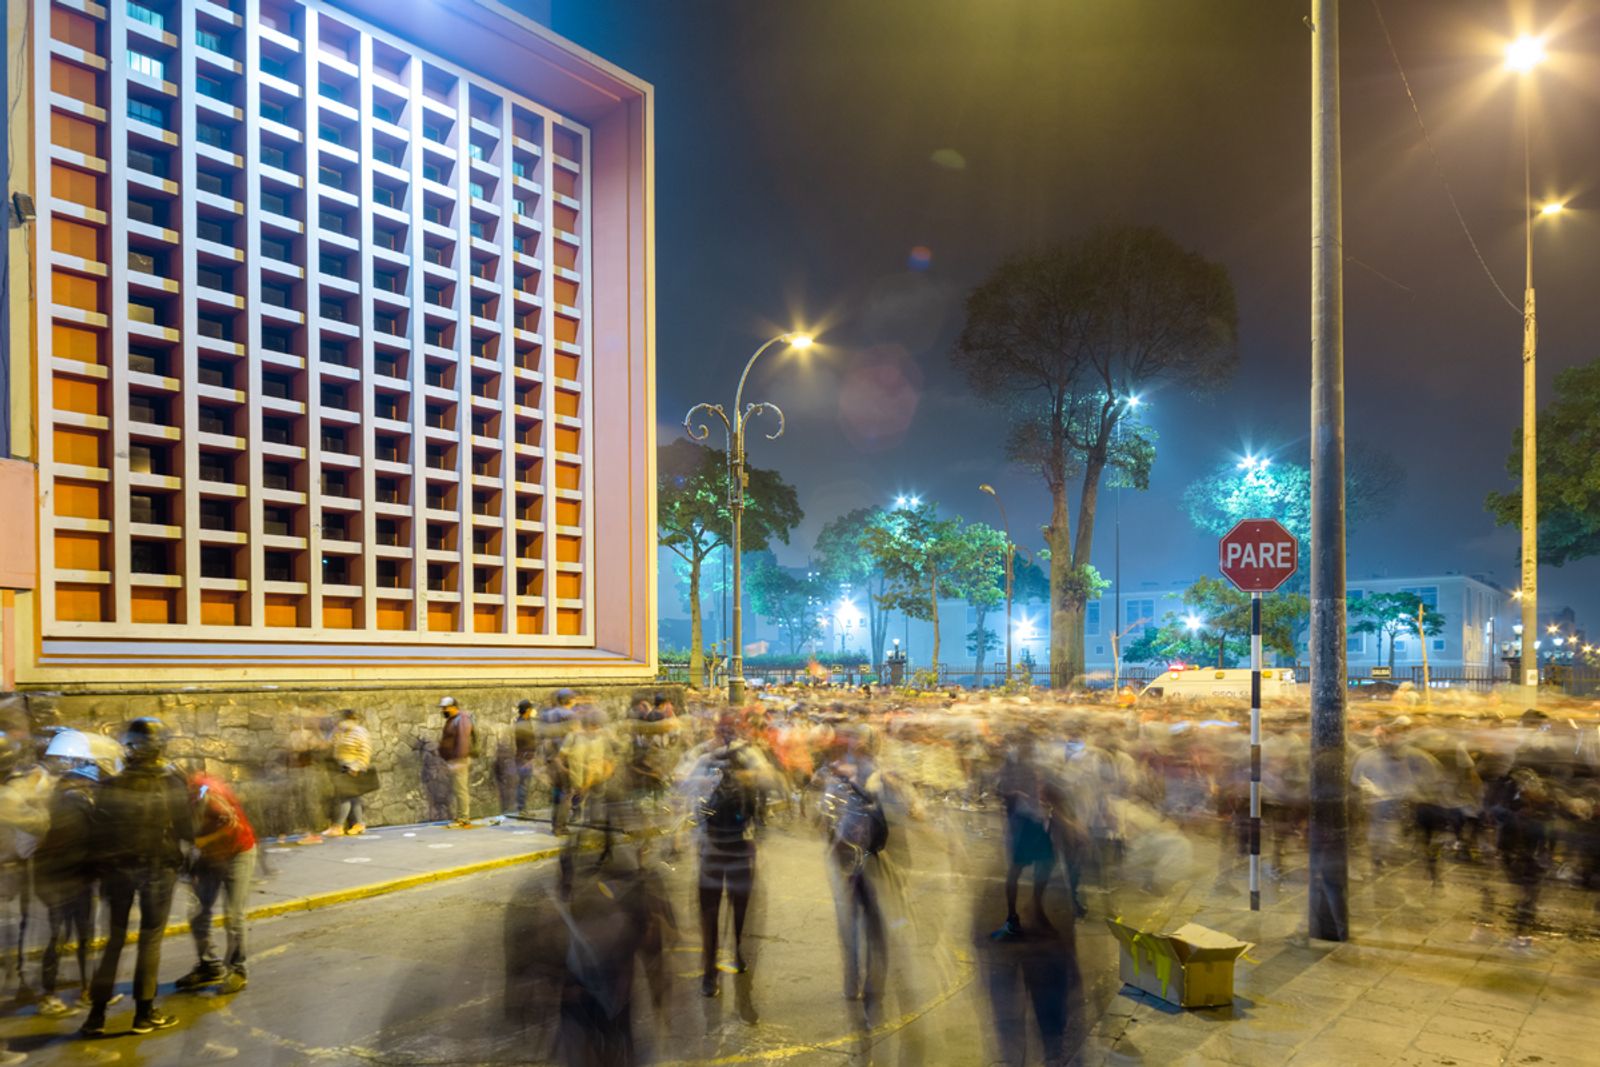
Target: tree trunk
point(1391, 653)
point(982, 646)
point(877, 623)
point(697, 652)
point(933, 603)
point(1066, 655)
point(1074, 601)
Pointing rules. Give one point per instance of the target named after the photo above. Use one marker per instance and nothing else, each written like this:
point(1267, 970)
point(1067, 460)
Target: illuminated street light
point(1525, 53)
point(734, 427)
point(1193, 622)
point(1552, 208)
point(1553, 628)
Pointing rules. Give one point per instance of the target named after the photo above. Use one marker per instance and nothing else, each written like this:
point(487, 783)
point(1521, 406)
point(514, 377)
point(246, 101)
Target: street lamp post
point(734, 429)
point(1010, 557)
point(1522, 56)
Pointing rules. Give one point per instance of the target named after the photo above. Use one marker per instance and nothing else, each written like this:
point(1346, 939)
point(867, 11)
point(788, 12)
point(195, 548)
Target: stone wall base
point(242, 737)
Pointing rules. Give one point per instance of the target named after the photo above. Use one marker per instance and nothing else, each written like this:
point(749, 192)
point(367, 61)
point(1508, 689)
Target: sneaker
point(708, 986)
point(309, 839)
point(204, 974)
point(334, 831)
point(51, 1006)
point(356, 831)
point(1010, 931)
point(460, 824)
point(234, 983)
point(152, 1019)
point(95, 1024)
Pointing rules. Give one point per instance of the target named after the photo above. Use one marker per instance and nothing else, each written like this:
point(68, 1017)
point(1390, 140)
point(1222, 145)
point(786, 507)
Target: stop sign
point(1258, 555)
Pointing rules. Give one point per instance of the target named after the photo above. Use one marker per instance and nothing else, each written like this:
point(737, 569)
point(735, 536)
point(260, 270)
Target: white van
point(1211, 682)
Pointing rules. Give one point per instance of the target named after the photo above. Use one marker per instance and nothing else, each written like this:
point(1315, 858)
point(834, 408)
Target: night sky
point(858, 167)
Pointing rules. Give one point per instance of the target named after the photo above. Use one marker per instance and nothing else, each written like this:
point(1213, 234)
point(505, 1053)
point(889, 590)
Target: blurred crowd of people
point(1078, 800)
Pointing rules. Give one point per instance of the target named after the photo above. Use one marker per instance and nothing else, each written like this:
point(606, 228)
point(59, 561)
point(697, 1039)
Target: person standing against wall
point(455, 748)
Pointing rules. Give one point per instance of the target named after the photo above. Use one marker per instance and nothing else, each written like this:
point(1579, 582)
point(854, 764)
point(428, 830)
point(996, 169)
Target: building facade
point(334, 363)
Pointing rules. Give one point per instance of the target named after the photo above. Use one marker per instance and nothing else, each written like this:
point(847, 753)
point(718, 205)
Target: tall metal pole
point(736, 662)
point(1255, 751)
point(1530, 419)
point(1328, 903)
point(1011, 553)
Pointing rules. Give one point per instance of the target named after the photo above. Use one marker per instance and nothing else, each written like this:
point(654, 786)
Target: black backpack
point(855, 819)
point(137, 816)
point(728, 806)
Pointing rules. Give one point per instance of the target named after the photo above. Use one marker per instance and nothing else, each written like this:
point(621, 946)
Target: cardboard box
point(1191, 967)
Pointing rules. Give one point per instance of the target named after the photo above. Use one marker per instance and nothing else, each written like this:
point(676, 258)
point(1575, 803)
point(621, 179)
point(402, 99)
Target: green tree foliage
point(918, 553)
point(1391, 615)
point(1059, 337)
point(694, 520)
point(845, 562)
point(977, 576)
point(1220, 633)
point(787, 600)
point(1569, 471)
point(1281, 489)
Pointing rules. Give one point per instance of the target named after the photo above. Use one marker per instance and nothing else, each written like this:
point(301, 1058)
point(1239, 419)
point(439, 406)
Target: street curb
point(342, 896)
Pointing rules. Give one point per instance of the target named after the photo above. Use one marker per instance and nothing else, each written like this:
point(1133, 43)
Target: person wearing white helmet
point(61, 867)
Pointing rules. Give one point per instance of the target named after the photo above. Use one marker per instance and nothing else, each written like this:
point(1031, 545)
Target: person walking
point(61, 871)
point(143, 825)
point(727, 779)
point(227, 863)
point(353, 774)
point(525, 749)
point(555, 723)
point(455, 748)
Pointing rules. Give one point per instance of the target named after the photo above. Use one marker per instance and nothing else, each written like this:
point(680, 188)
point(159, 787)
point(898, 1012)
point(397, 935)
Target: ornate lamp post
point(734, 429)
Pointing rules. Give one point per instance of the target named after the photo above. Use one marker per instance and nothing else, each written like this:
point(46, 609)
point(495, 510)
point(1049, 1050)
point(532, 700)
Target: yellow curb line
point(343, 896)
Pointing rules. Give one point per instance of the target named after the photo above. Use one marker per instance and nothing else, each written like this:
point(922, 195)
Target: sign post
point(1257, 556)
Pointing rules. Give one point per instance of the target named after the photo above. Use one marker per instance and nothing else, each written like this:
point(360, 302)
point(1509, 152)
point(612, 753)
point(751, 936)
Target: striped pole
point(1255, 751)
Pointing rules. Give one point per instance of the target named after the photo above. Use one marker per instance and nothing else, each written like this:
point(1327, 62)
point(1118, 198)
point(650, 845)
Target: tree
point(694, 519)
point(788, 600)
point(1391, 615)
point(1568, 468)
point(1215, 625)
point(1281, 489)
point(845, 562)
point(978, 576)
point(1060, 338)
point(916, 551)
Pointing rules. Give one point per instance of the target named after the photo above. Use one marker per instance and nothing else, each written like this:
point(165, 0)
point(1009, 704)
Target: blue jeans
point(232, 878)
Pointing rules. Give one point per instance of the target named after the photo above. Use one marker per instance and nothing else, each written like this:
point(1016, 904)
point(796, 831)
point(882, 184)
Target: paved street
point(417, 976)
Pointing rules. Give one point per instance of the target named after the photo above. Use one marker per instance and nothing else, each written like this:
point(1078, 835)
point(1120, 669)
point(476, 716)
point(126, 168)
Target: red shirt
point(216, 808)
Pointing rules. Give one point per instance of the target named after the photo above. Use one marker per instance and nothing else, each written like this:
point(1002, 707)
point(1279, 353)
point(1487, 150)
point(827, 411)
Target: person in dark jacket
point(455, 748)
point(61, 871)
point(142, 831)
point(525, 749)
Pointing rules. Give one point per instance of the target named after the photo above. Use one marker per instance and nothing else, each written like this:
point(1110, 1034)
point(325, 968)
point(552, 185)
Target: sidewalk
point(1429, 977)
point(297, 877)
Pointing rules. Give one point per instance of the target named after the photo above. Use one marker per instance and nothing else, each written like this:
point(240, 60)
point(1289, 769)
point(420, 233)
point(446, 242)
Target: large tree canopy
point(1060, 338)
point(1280, 489)
point(693, 517)
point(1569, 471)
point(845, 562)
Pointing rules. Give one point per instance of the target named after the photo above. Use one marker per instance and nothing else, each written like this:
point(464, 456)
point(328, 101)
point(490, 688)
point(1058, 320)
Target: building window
point(148, 162)
point(1428, 594)
point(1139, 613)
point(149, 66)
point(1091, 618)
point(276, 203)
point(210, 40)
point(1355, 644)
point(144, 111)
point(278, 68)
point(330, 133)
point(333, 179)
point(139, 13)
point(1438, 644)
point(274, 112)
point(273, 156)
point(213, 230)
point(216, 184)
point(275, 248)
point(212, 134)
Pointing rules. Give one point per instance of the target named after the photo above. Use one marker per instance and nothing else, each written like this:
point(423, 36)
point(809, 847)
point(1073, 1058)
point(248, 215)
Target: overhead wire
point(1438, 164)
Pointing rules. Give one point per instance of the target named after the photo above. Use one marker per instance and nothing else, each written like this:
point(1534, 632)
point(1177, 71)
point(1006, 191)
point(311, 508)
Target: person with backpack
point(226, 864)
point(353, 774)
point(458, 743)
point(856, 831)
point(142, 830)
point(61, 871)
point(555, 723)
point(726, 779)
